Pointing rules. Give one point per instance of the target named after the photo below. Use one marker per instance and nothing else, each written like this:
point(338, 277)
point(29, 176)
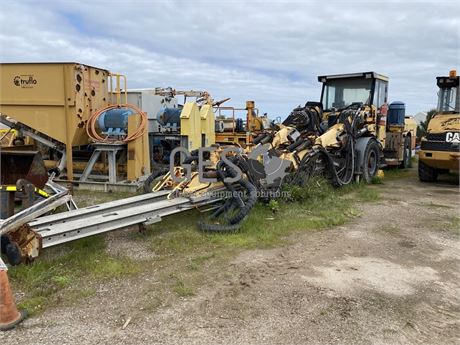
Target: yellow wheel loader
point(440, 148)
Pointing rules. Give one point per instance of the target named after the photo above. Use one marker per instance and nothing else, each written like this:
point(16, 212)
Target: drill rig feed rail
point(143, 209)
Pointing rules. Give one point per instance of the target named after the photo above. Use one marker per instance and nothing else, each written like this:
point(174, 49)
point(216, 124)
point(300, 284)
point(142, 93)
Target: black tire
point(426, 173)
point(13, 254)
point(4, 241)
point(371, 161)
point(407, 157)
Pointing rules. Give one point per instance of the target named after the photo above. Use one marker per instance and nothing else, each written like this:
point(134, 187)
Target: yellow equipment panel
point(55, 99)
point(208, 127)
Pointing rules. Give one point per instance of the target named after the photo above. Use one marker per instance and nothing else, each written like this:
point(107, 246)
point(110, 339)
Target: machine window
point(448, 99)
point(381, 92)
point(339, 93)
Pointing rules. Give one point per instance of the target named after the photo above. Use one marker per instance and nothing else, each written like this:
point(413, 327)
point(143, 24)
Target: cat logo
point(453, 137)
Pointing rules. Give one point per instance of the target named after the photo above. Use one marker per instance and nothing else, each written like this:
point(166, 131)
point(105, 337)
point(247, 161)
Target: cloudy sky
point(267, 51)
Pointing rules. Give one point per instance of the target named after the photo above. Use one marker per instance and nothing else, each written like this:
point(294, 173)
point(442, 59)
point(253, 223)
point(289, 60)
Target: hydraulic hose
point(232, 223)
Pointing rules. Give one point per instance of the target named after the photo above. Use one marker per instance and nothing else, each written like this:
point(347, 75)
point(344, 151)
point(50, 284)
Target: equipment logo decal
point(453, 137)
point(25, 80)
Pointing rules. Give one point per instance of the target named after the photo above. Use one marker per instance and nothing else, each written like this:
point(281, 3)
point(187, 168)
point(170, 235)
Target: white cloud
point(270, 52)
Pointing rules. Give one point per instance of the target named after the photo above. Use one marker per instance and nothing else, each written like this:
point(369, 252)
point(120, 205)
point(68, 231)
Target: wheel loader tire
point(426, 173)
point(371, 161)
point(407, 157)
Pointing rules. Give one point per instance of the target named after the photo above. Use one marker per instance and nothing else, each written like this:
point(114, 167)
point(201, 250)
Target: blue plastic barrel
point(396, 114)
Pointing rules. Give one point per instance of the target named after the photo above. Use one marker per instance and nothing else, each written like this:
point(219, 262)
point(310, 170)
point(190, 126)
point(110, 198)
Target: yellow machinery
point(440, 148)
point(388, 124)
point(81, 115)
point(195, 119)
point(54, 99)
point(8, 137)
point(344, 137)
point(347, 136)
point(232, 130)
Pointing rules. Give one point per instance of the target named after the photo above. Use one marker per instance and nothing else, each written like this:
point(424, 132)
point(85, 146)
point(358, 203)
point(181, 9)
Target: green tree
point(423, 126)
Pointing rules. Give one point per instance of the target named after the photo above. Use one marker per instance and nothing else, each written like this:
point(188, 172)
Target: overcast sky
point(267, 51)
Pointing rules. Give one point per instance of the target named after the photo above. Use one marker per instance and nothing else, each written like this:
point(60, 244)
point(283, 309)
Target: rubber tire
point(13, 254)
point(426, 173)
point(4, 241)
point(407, 157)
point(372, 149)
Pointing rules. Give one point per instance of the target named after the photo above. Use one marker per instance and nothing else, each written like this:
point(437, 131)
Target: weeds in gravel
point(431, 204)
point(454, 225)
point(181, 289)
point(196, 262)
point(83, 262)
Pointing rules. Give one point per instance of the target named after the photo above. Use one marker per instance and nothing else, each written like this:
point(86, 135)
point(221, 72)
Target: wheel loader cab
point(448, 95)
point(384, 129)
point(341, 90)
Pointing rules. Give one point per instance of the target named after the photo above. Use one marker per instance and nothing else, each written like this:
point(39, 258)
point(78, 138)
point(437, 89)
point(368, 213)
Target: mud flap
point(360, 147)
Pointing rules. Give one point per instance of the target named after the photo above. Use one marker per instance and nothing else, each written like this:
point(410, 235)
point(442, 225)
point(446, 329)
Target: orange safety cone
point(9, 314)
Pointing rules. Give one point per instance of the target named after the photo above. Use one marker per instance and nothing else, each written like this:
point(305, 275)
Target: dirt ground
point(390, 276)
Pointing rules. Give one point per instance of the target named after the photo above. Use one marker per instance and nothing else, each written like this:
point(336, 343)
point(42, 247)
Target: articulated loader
point(440, 148)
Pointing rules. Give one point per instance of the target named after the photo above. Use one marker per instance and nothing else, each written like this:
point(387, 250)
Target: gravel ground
point(389, 277)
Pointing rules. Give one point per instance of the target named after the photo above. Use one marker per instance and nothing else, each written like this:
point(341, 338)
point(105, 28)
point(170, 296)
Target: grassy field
point(68, 273)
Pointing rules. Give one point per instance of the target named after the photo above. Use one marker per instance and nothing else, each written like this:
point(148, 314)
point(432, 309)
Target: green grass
point(395, 173)
point(68, 273)
point(83, 261)
point(85, 198)
point(314, 207)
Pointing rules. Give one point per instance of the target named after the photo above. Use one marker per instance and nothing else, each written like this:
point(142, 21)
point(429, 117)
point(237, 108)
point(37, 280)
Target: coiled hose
point(307, 164)
point(235, 202)
point(95, 136)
